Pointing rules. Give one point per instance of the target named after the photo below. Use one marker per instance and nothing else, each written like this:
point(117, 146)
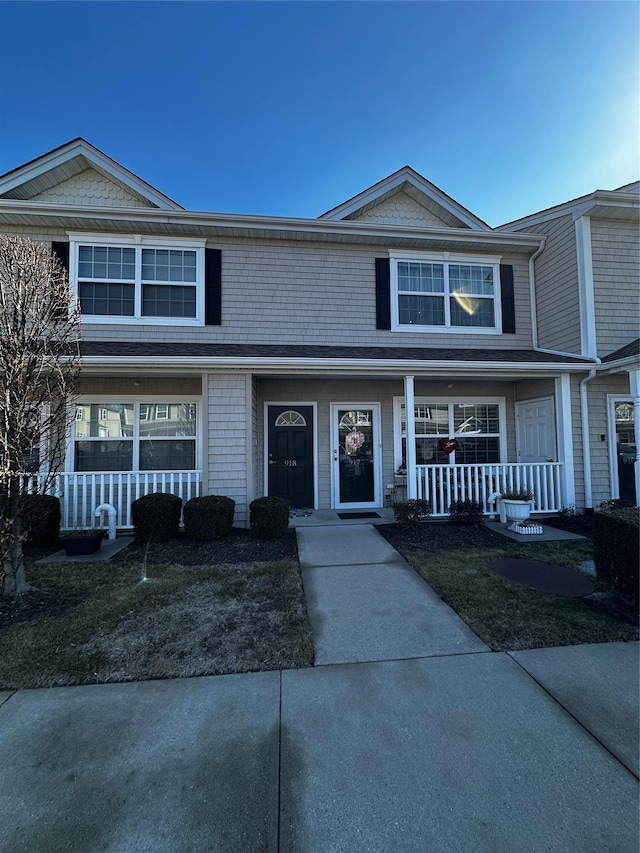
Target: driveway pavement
point(450, 751)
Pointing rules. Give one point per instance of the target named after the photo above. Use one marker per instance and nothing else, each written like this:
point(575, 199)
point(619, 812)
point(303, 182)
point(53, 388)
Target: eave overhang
point(215, 225)
point(274, 366)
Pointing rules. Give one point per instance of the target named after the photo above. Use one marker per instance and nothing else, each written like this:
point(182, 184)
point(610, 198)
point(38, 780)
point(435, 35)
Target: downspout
point(586, 455)
point(584, 407)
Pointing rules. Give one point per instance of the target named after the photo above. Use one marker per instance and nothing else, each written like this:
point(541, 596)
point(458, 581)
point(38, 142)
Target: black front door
point(290, 454)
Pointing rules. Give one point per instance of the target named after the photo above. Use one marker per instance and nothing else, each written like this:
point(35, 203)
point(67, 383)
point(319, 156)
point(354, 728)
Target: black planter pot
point(80, 545)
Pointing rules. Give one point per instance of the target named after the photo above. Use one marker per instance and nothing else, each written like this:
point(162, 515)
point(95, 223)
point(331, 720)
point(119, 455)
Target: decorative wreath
point(448, 444)
point(353, 441)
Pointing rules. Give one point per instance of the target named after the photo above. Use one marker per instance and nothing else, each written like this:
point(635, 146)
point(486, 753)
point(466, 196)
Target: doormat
point(348, 515)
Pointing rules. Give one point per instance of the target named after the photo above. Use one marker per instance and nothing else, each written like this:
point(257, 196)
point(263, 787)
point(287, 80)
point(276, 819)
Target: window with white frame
point(477, 427)
point(438, 292)
point(147, 279)
point(129, 436)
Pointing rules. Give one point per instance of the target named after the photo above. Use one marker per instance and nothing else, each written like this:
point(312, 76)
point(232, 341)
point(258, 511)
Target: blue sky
point(291, 108)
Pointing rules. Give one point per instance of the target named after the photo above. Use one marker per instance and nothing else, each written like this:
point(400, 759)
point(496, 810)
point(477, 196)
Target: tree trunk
point(15, 579)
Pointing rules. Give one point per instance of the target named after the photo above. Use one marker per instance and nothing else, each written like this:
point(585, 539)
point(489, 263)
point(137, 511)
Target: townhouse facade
point(249, 355)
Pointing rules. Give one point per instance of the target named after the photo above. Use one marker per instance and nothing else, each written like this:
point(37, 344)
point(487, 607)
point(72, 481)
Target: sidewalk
point(452, 751)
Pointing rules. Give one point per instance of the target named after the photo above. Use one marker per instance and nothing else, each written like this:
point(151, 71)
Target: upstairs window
point(155, 283)
point(436, 293)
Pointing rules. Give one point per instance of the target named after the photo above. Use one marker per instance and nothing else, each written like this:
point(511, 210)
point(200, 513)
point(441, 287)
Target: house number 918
point(290, 463)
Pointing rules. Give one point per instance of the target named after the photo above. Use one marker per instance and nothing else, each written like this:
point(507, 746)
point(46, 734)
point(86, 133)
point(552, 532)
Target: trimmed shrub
point(466, 512)
point(41, 518)
point(616, 550)
point(269, 517)
point(156, 517)
point(208, 517)
point(411, 511)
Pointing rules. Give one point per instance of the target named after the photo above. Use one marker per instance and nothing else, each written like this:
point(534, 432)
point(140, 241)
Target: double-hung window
point(445, 292)
point(132, 436)
point(478, 427)
point(141, 279)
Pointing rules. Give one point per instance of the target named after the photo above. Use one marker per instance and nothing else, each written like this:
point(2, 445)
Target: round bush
point(269, 517)
point(41, 518)
point(208, 517)
point(156, 517)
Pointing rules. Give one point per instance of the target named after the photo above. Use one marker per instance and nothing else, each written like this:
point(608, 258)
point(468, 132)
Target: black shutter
point(507, 299)
point(62, 251)
point(383, 293)
point(213, 287)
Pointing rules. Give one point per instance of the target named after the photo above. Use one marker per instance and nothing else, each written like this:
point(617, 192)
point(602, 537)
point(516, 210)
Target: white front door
point(356, 455)
point(536, 431)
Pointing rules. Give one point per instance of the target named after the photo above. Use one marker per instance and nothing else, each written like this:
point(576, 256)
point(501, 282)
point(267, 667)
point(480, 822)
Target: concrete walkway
point(448, 752)
point(366, 603)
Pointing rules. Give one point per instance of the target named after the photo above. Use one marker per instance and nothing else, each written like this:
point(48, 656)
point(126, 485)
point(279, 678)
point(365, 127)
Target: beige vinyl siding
point(279, 293)
point(557, 297)
point(274, 292)
point(534, 389)
point(325, 392)
point(225, 446)
point(149, 386)
point(576, 429)
point(616, 280)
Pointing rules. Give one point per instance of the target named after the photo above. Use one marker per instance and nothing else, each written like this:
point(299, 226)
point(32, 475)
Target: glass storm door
point(356, 456)
point(290, 462)
point(625, 450)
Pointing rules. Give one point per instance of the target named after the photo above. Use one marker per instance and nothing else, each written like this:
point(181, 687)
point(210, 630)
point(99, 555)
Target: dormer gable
point(79, 173)
point(406, 198)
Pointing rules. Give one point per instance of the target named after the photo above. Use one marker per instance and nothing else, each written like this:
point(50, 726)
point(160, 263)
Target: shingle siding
point(401, 209)
point(556, 274)
point(616, 280)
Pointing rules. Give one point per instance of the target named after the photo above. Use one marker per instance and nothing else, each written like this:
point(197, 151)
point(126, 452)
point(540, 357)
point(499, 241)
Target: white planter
point(516, 510)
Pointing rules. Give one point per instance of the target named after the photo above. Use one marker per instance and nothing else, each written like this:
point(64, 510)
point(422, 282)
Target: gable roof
point(410, 182)
point(621, 203)
point(70, 160)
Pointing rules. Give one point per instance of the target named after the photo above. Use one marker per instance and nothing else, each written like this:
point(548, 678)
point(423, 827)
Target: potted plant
point(82, 542)
point(516, 504)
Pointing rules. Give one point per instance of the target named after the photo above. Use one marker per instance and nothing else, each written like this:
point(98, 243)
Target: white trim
point(612, 399)
point(564, 437)
point(577, 207)
point(377, 456)
point(104, 164)
point(588, 345)
point(386, 187)
point(451, 400)
point(138, 241)
point(446, 258)
point(136, 438)
point(265, 431)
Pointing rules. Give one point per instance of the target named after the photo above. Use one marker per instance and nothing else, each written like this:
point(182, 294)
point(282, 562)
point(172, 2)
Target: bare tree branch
point(39, 373)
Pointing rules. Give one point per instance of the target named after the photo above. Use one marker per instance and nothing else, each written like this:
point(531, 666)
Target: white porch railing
point(80, 493)
point(442, 484)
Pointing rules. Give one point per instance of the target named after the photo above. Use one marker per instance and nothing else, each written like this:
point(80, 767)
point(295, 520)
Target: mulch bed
point(438, 535)
point(240, 546)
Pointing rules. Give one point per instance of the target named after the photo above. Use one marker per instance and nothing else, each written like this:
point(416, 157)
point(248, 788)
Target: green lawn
point(504, 614)
point(98, 622)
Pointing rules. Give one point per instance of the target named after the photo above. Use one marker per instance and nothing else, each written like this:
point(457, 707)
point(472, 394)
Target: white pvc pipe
point(111, 510)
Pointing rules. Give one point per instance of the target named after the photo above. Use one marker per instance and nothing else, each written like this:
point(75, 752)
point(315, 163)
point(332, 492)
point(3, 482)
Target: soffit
point(212, 226)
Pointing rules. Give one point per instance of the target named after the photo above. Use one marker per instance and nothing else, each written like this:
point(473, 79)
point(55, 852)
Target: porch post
point(634, 387)
point(412, 490)
point(565, 439)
